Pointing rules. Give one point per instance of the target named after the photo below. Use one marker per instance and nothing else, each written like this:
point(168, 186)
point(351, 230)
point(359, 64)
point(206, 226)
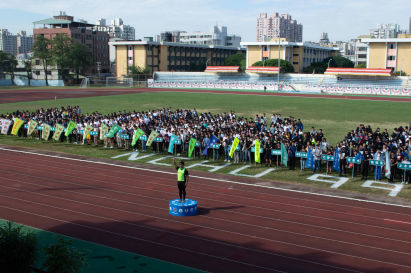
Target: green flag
point(70, 127)
point(113, 130)
point(58, 131)
point(284, 155)
point(136, 136)
point(234, 146)
point(103, 131)
point(151, 138)
point(257, 151)
point(46, 131)
point(191, 146)
point(32, 126)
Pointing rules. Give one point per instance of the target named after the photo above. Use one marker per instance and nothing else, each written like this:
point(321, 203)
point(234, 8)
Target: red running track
point(20, 95)
point(240, 227)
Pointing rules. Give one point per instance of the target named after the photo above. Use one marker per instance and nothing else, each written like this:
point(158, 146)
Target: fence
point(112, 82)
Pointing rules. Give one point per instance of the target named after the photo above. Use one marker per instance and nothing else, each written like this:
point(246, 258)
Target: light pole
point(207, 62)
point(329, 62)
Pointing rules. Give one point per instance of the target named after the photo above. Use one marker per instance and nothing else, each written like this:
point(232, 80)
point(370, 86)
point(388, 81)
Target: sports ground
point(271, 224)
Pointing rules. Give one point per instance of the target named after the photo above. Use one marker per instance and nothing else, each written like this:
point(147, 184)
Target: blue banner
point(310, 160)
point(213, 141)
point(173, 139)
point(336, 162)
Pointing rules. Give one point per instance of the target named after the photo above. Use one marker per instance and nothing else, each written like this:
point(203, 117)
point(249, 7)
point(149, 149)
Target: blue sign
point(253, 150)
point(327, 157)
point(404, 166)
point(299, 154)
point(374, 162)
point(187, 208)
point(353, 160)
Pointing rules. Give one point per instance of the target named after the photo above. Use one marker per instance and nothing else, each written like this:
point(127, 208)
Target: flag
point(136, 136)
point(87, 131)
point(46, 131)
point(5, 124)
point(234, 146)
point(284, 155)
point(310, 160)
point(257, 151)
point(151, 137)
point(173, 139)
point(103, 131)
point(57, 133)
point(212, 141)
point(113, 130)
point(70, 127)
point(16, 126)
point(32, 126)
point(387, 165)
point(191, 146)
point(336, 162)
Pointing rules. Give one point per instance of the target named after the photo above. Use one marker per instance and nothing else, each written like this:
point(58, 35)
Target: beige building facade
point(300, 55)
point(392, 53)
point(163, 56)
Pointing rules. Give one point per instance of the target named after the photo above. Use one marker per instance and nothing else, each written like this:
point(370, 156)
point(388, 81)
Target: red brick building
point(80, 31)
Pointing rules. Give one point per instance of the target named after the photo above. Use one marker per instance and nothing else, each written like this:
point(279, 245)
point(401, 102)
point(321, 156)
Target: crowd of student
point(270, 131)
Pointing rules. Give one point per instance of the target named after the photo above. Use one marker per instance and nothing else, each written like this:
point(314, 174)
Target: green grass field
point(335, 116)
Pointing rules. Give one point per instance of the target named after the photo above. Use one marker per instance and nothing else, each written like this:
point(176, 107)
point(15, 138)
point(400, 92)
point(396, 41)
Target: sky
point(341, 19)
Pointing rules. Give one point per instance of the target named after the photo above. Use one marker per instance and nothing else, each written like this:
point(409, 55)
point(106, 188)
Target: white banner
point(5, 124)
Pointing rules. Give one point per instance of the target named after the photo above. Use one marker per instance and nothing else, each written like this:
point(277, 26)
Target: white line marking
point(397, 221)
point(207, 178)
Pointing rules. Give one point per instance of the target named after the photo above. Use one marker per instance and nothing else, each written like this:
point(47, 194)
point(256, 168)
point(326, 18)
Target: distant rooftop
point(63, 19)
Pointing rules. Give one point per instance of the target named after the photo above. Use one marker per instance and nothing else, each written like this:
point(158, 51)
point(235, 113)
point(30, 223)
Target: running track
point(20, 95)
point(240, 228)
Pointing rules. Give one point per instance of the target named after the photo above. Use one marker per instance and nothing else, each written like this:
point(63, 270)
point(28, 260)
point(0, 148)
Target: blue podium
point(188, 208)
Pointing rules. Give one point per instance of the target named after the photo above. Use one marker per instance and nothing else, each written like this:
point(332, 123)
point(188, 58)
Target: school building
point(300, 55)
point(165, 56)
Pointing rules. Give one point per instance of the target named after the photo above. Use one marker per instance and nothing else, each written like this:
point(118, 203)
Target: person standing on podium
point(182, 179)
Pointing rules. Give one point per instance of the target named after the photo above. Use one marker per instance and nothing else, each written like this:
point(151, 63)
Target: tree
point(63, 258)
point(340, 61)
point(17, 249)
point(286, 66)
point(361, 66)
point(197, 66)
point(135, 71)
point(28, 67)
point(8, 63)
point(60, 51)
point(80, 58)
point(238, 59)
point(334, 61)
point(42, 51)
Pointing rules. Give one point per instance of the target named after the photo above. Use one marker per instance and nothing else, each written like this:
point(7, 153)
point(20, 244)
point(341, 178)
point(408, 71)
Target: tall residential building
point(324, 40)
point(385, 31)
point(218, 36)
point(80, 31)
point(24, 42)
point(278, 26)
point(409, 27)
point(116, 29)
point(8, 42)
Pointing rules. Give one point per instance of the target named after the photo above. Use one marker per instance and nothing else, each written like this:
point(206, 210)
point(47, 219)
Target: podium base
point(188, 208)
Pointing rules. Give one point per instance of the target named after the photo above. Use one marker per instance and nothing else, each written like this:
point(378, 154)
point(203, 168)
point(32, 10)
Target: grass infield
point(335, 116)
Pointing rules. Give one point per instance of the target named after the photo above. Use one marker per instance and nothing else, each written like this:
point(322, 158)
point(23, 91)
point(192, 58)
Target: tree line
point(61, 51)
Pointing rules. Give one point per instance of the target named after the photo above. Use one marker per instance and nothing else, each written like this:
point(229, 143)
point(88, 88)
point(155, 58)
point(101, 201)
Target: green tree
point(28, 67)
point(198, 66)
point(361, 66)
point(340, 61)
point(60, 51)
point(42, 51)
point(238, 59)
point(80, 58)
point(334, 61)
point(8, 63)
point(63, 258)
point(286, 66)
point(136, 71)
point(17, 249)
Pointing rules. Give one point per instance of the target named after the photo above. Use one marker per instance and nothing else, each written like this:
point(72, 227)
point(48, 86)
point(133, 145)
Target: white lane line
point(213, 200)
point(234, 203)
point(211, 218)
point(206, 178)
point(219, 193)
point(139, 239)
point(189, 236)
point(397, 221)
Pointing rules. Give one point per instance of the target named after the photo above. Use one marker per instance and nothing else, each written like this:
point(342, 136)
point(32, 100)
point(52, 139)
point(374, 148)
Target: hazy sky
point(342, 19)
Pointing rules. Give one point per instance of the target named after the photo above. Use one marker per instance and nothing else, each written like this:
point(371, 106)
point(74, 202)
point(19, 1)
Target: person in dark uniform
point(182, 179)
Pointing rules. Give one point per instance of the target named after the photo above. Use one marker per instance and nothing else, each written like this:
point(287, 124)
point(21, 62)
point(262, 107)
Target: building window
point(37, 72)
point(296, 55)
point(391, 58)
point(293, 63)
point(130, 58)
point(48, 72)
point(37, 62)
